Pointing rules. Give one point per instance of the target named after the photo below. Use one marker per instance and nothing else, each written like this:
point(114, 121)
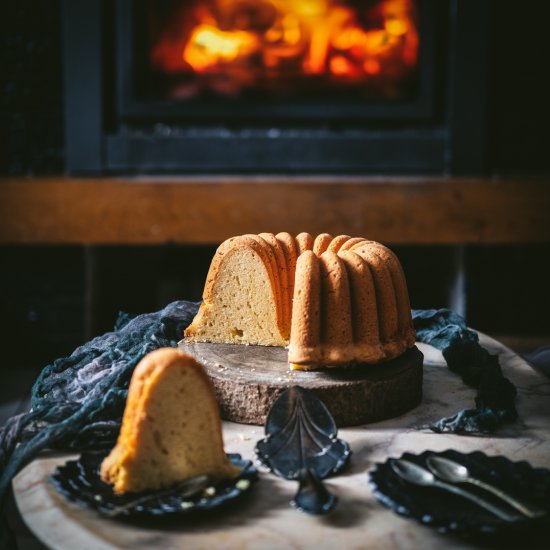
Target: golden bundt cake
point(171, 427)
point(332, 301)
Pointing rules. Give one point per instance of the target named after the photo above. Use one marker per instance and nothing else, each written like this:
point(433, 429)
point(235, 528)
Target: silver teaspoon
point(413, 473)
point(452, 471)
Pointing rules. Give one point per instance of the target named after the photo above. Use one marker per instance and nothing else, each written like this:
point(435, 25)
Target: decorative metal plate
point(301, 444)
point(449, 513)
point(80, 482)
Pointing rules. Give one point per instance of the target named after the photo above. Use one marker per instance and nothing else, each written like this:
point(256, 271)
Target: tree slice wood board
point(248, 379)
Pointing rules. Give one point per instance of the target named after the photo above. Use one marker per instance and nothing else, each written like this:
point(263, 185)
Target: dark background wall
point(31, 93)
point(52, 298)
point(519, 111)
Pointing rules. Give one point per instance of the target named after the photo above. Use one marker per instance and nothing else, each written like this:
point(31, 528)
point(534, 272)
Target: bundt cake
point(332, 301)
point(171, 427)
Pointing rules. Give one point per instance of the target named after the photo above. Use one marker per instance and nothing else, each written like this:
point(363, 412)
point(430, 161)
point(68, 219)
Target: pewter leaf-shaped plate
point(301, 436)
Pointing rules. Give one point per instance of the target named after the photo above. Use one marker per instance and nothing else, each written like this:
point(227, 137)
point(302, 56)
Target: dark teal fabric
point(495, 400)
point(77, 401)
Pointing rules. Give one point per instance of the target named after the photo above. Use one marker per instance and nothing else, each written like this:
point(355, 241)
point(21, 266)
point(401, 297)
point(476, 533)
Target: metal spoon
point(413, 473)
point(452, 471)
point(184, 489)
point(313, 497)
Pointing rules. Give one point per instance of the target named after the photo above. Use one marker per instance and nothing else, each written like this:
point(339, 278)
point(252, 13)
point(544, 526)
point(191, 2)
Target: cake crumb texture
point(332, 300)
point(171, 428)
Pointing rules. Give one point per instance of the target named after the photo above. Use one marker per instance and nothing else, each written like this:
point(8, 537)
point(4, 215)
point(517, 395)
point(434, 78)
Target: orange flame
point(259, 41)
point(209, 46)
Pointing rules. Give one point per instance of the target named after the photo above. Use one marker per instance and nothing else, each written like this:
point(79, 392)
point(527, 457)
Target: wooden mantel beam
point(206, 210)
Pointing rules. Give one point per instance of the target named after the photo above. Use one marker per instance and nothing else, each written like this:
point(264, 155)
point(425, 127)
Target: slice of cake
point(171, 428)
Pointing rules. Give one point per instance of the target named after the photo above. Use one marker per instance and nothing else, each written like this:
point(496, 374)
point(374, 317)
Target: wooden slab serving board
point(247, 379)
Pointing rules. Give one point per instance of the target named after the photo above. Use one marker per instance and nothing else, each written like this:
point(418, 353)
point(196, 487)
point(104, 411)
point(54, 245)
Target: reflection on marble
point(264, 520)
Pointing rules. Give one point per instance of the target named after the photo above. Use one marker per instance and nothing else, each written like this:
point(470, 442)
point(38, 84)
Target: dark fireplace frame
point(108, 130)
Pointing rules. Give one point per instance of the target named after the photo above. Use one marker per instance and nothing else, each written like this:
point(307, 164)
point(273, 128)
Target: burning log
point(231, 46)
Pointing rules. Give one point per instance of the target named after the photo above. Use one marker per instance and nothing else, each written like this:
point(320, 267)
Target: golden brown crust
point(275, 277)
point(336, 244)
point(304, 241)
point(282, 288)
point(336, 322)
point(386, 301)
point(401, 292)
point(289, 248)
point(321, 243)
point(306, 313)
point(366, 335)
point(350, 243)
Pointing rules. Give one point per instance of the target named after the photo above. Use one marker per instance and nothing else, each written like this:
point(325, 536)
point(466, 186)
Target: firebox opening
point(277, 49)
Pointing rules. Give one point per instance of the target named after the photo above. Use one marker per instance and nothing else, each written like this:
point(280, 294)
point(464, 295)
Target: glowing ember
point(209, 46)
point(234, 45)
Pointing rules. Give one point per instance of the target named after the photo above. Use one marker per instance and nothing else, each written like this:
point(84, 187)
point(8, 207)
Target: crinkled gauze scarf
point(77, 401)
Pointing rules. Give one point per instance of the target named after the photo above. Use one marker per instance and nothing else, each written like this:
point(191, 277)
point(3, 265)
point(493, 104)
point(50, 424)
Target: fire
point(208, 46)
point(256, 43)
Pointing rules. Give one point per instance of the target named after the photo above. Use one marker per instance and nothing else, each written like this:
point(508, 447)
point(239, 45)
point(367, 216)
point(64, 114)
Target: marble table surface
point(264, 519)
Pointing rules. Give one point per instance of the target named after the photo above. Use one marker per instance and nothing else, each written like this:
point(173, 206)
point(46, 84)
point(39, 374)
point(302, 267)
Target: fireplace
point(275, 86)
point(256, 58)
